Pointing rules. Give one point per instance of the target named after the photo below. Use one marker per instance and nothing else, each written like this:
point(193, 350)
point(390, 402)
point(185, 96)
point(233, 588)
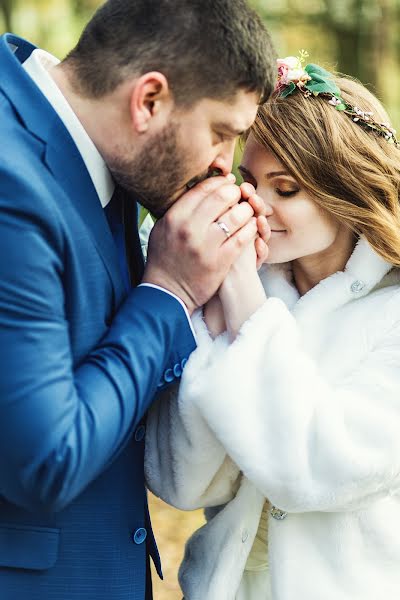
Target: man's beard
point(158, 174)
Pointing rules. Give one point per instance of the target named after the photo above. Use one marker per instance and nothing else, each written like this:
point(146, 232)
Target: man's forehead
point(236, 114)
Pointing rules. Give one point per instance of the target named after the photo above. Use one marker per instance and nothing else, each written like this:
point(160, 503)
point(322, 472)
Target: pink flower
point(290, 62)
point(290, 70)
point(282, 73)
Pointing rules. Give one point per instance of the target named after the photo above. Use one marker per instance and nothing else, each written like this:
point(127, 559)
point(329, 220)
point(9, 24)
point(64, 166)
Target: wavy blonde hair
point(350, 171)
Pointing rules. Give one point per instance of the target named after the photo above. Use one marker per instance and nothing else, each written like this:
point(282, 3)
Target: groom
point(147, 104)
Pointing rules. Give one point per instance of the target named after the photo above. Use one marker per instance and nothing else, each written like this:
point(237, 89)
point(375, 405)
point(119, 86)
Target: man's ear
point(149, 96)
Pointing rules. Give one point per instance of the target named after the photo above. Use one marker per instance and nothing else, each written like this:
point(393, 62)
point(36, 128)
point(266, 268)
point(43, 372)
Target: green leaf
point(341, 107)
point(288, 90)
point(326, 87)
point(317, 71)
point(321, 76)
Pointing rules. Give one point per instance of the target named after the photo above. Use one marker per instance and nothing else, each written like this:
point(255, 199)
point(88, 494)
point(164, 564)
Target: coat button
point(140, 433)
point(357, 286)
point(245, 535)
point(177, 370)
point(183, 363)
point(139, 535)
point(169, 375)
point(278, 514)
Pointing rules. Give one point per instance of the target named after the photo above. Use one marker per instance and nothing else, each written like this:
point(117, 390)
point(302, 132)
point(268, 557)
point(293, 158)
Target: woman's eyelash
point(286, 194)
point(248, 179)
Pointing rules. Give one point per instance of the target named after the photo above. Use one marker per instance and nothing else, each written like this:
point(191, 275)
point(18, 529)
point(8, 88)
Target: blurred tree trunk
point(79, 7)
point(364, 31)
point(84, 7)
point(363, 40)
point(6, 8)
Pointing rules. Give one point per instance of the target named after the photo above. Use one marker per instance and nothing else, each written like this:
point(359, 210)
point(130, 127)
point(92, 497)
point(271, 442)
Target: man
point(147, 105)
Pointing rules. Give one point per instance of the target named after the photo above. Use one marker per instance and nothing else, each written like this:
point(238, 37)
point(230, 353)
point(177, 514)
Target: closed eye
point(247, 177)
point(223, 137)
point(286, 194)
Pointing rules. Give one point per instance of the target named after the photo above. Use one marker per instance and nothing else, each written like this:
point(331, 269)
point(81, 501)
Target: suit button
point(139, 535)
point(177, 370)
point(169, 375)
point(183, 363)
point(140, 433)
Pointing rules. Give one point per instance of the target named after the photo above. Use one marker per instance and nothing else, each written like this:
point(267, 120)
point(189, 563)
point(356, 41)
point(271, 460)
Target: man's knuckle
point(227, 194)
point(208, 185)
point(235, 218)
point(184, 235)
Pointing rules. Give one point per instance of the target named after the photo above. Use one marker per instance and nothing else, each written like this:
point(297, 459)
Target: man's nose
point(224, 159)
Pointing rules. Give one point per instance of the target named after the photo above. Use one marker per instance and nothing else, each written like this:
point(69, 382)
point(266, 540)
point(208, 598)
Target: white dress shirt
point(38, 66)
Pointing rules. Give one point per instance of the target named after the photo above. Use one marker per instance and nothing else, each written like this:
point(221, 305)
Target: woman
point(287, 426)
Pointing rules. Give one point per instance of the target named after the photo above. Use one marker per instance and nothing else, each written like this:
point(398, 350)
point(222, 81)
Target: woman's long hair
point(349, 170)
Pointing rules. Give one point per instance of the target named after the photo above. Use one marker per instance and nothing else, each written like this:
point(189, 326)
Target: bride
point(286, 427)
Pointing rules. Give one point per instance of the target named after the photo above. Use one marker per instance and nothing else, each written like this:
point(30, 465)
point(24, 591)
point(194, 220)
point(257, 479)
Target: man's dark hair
point(205, 48)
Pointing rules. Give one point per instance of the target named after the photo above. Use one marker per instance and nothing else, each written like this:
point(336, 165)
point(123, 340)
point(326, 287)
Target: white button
point(357, 286)
point(245, 535)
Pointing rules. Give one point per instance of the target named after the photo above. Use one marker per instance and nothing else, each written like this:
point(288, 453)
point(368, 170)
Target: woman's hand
point(214, 316)
point(242, 293)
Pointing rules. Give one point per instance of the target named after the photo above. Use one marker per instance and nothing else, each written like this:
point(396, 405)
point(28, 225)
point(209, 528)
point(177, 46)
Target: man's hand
point(189, 253)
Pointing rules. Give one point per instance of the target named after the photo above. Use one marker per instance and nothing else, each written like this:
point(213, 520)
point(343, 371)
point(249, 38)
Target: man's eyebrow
point(228, 129)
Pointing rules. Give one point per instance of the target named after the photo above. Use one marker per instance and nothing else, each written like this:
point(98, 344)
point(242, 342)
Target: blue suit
point(80, 361)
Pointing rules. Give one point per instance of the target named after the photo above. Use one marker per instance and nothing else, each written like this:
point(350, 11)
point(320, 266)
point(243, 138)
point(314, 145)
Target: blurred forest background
point(357, 37)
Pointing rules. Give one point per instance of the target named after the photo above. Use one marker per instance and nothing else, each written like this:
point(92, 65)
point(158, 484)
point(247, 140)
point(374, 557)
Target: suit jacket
point(80, 361)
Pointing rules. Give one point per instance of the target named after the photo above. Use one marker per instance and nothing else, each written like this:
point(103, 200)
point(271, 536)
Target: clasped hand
point(191, 255)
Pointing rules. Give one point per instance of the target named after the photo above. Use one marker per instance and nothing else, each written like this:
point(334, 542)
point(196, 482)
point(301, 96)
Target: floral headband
point(313, 80)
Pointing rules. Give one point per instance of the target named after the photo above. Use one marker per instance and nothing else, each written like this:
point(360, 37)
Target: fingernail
point(231, 177)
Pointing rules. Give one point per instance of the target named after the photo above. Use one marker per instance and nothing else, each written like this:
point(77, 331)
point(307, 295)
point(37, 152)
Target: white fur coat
point(303, 409)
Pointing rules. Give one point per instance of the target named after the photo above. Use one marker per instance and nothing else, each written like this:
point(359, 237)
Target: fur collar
point(364, 271)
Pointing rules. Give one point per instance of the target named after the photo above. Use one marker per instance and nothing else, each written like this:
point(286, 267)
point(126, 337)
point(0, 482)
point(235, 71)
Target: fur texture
point(303, 409)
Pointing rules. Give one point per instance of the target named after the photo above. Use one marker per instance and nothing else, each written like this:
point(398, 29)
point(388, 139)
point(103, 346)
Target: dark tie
point(121, 213)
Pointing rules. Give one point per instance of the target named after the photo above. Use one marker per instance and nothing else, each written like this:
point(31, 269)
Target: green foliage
point(357, 37)
point(288, 90)
point(321, 81)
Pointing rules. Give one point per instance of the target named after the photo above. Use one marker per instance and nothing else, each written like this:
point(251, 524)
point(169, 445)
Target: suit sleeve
point(60, 425)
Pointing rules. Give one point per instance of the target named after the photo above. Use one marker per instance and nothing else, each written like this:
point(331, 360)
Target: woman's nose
point(267, 202)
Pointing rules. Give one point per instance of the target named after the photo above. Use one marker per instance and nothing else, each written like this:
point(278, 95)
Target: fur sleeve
point(185, 464)
point(305, 444)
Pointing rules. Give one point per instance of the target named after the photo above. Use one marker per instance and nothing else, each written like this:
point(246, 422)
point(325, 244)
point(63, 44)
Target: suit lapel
point(66, 164)
point(61, 155)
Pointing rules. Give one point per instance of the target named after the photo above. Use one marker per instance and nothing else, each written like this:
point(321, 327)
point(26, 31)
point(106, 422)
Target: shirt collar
point(37, 66)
